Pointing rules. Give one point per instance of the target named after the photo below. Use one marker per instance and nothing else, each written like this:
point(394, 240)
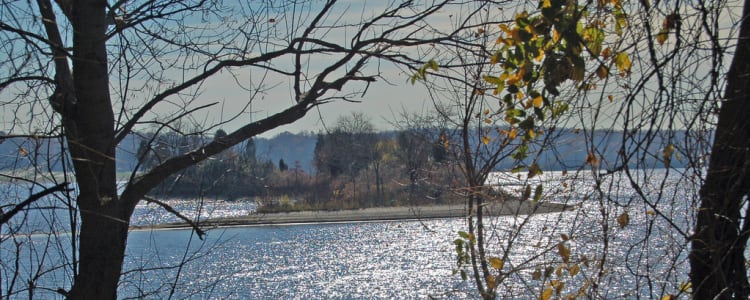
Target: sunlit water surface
point(389, 260)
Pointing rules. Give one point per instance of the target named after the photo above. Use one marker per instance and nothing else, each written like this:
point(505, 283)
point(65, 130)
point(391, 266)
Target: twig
point(168, 208)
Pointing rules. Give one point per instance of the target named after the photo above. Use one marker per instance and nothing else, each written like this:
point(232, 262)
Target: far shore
point(369, 215)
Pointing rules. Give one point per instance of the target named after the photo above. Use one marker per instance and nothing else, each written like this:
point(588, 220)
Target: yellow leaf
point(558, 285)
point(564, 252)
point(538, 101)
point(662, 36)
point(651, 213)
point(493, 59)
point(623, 220)
point(490, 282)
point(488, 121)
point(685, 287)
point(555, 35)
point(546, 3)
point(574, 270)
point(512, 134)
point(547, 294)
point(669, 297)
point(515, 35)
point(487, 111)
point(536, 275)
point(507, 41)
point(602, 72)
point(505, 29)
point(496, 263)
point(485, 140)
point(592, 159)
point(540, 55)
point(611, 98)
point(22, 151)
point(622, 60)
point(667, 152)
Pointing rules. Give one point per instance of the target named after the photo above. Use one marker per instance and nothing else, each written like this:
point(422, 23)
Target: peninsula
point(372, 214)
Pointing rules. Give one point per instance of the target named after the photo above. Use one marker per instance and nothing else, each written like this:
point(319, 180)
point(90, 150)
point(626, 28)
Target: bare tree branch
point(6, 216)
point(168, 208)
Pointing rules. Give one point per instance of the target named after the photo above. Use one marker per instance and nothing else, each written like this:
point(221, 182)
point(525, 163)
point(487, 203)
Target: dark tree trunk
point(717, 259)
point(102, 250)
point(89, 127)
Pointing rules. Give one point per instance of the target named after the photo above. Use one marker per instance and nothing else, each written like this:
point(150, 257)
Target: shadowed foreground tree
point(94, 71)
point(717, 259)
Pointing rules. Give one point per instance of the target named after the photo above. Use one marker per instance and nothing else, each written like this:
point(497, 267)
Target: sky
point(384, 101)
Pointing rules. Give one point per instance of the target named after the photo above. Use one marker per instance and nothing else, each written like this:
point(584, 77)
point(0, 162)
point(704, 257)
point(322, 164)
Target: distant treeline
point(348, 166)
point(350, 169)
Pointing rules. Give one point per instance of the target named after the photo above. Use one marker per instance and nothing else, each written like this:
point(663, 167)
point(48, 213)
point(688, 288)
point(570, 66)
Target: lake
point(386, 260)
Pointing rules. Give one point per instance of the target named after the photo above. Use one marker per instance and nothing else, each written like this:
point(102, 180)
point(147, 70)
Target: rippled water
point(321, 261)
point(149, 213)
point(403, 259)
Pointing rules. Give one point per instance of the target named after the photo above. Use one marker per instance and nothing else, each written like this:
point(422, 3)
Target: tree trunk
point(102, 250)
point(89, 127)
point(717, 259)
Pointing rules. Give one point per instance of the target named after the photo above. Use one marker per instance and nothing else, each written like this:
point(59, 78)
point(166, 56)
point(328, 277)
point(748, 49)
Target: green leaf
point(493, 80)
point(432, 64)
point(538, 193)
point(621, 20)
point(463, 234)
point(559, 109)
point(594, 38)
point(622, 61)
point(521, 153)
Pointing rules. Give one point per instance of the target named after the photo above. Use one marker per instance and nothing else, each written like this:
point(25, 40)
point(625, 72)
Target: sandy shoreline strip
point(369, 215)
